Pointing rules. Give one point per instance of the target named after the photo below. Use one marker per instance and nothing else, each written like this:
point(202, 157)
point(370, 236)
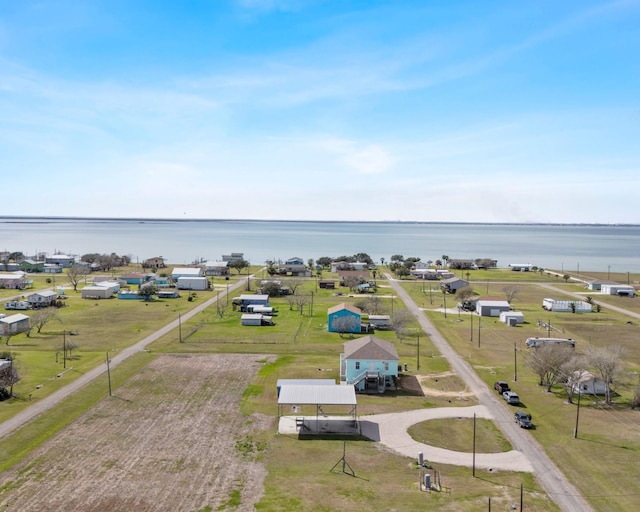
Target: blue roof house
point(370, 364)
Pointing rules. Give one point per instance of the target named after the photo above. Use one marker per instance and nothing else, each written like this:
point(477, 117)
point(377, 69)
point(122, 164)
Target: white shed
point(491, 307)
point(192, 283)
point(255, 319)
point(623, 290)
point(512, 318)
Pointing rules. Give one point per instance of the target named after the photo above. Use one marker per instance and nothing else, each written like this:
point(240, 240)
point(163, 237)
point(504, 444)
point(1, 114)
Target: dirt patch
point(172, 438)
point(445, 384)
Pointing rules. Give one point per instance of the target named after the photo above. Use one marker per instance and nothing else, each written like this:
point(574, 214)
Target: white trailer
point(541, 342)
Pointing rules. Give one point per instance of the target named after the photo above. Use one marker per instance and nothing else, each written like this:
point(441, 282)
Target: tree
point(547, 362)
point(364, 257)
point(8, 375)
point(399, 321)
point(42, 317)
point(445, 258)
point(324, 261)
point(239, 265)
point(397, 258)
point(510, 292)
point(464, 293)
point(75, 274)
point(566, 278)
point(373, 305)
point(344, 324)
point(310, 263)
point(270, 288)
point(294, 284)
point(351, 282)
point(573, 370)
point(606, 360)
point(301, 301)
point(147, 291)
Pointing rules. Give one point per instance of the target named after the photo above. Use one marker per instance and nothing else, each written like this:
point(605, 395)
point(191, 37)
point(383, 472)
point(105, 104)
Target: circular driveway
point(391, 430)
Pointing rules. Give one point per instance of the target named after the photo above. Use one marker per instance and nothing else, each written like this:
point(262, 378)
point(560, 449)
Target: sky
point(461, 111)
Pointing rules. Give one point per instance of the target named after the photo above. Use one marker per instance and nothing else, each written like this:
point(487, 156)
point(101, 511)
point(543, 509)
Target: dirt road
point(563, 493)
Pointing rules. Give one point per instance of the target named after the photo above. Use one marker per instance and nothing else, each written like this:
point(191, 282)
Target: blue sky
point(492, 111)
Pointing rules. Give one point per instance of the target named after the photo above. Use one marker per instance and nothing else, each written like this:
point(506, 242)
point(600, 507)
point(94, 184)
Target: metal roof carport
point(321, 395)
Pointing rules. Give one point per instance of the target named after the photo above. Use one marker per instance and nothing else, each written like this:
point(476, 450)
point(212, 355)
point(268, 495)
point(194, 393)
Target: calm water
point(561, 247)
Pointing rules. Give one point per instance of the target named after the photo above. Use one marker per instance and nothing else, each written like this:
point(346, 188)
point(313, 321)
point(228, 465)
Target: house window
point(386, 366)
point(357, 365)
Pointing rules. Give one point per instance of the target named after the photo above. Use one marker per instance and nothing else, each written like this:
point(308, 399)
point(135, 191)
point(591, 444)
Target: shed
point(622, 290)
point(512, 318)
point(168, 294)
point(255, 319)
point(103, 290)
point(192, 283)
point(14, 324)
point(491, 307)
point(453, 284)
point(186, 272)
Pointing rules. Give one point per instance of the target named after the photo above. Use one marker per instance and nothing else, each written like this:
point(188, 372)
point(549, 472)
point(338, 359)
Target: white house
point(42, 299)
point(216, 268)
point(521, 267)
point(587, 383)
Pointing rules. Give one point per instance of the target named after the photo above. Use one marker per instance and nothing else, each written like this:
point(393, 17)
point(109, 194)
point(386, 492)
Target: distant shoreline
point(34, 219)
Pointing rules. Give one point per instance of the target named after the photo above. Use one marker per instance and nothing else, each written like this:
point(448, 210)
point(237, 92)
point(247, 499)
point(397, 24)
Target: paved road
point(563, 493)
point(52, 400)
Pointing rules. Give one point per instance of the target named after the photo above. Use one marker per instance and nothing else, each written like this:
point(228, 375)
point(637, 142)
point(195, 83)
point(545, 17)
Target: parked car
point(523, 419)
point(511, 397)
point(501, 386)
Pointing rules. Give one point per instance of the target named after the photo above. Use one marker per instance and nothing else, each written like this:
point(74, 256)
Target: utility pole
point(109, 373)
point(179, 327)
point(473, 471)
point(515, 361)
point(64, 348)
point(418, 352)
point(479, 326)
point(575, 430)
point(471, 329)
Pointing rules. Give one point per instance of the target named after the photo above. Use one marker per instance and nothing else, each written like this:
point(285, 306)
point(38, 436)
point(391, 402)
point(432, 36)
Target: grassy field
point(607, 434)
point(306, 350)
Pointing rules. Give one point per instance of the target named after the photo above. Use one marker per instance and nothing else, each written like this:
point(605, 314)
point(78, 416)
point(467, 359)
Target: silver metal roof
point(314, 394)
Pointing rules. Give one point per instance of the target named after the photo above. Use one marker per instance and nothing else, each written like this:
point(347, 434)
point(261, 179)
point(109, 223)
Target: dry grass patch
point(172, 438)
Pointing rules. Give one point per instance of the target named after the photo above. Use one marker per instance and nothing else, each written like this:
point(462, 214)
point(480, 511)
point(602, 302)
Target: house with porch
point(344, 318)
point(370, 364)
point(42, 299)
point(216, 268)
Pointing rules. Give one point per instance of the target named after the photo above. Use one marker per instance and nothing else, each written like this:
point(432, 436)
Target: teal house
point(344, 318)
point(370, 364)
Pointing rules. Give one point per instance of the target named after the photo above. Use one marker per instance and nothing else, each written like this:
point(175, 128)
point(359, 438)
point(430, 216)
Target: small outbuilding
point(622, 290)
point(587, 383)
point(512, 318)
point(255, 319)
point(14, 324)
point(192, 283)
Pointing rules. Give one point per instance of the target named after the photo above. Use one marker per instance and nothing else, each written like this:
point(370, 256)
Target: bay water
point(562, 247)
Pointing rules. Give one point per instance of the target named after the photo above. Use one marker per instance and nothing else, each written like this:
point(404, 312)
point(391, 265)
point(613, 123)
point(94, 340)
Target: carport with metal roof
point(341, 419)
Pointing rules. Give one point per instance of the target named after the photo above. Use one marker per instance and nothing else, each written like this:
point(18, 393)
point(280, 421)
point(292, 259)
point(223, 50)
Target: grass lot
point(607, 434)
point(306, 350)
point(457, 434)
